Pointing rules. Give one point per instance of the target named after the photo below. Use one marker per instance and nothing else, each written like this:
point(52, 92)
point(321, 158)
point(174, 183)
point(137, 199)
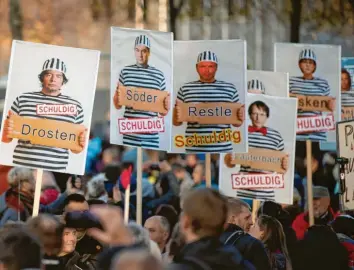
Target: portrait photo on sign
point(347, 88)
point(209, 98)
point(314, 79)
point(268, 83)
point(266, 172)
point(48, 107)
point(141, 88)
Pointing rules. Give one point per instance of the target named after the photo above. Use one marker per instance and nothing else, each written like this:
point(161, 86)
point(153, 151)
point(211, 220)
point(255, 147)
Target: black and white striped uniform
point(145, 77)
point(44, 157)
point(347, 99)
point(218, 91)
point(272, 141)
point(314, 87)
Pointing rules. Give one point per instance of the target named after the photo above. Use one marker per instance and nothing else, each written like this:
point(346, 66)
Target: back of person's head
point(344, 224)
point(275, 210)
point(274, 237)
point(75, 202)
point(205, 212)
point(169, 212)
point(136, 260)
point(96, 187)
point(140, 234)
point(321, 249)
point(19, 174)
point(10, 226)
point(20, 250)
point(49, 230)
point(177, 241)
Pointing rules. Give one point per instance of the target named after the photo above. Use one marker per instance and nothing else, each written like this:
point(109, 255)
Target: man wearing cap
point(309, 85)
point(141, 75)
point(52, 78)
point(322, 211)
point(207, 89)
point(261, 136)
point(255, 86)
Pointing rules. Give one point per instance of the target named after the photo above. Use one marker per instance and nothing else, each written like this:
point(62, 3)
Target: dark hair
point(49, 230)
point(260, 105)
point(178, 167)
point(43, 73)
point(349, 77)
point(19, 250)
point(206, 209)
point(74, 198)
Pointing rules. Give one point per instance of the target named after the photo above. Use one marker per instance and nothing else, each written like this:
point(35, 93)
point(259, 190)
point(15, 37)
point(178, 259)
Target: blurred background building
point(86, 24)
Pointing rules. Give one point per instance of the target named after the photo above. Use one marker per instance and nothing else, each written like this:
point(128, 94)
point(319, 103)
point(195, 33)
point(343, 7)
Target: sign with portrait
point(48, 107)
point(315, 81)
point(141, 88)
point(266, 172)
point(210, 96)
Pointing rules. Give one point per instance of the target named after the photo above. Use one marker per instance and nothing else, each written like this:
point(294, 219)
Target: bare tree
point(295, 21)
point(175, 9)
point(16, 19)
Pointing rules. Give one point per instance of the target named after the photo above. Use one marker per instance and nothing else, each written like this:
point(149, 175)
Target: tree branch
point(16, 19)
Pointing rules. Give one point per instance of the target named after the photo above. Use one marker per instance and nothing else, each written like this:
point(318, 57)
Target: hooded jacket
point(209, 253)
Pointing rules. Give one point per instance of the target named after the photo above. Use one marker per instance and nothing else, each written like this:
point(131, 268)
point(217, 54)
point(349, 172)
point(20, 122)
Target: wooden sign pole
point(208, 170)
point(126, 204)
point(37, 192)
point(255, 206)
point(139, 24)
point(309, 182)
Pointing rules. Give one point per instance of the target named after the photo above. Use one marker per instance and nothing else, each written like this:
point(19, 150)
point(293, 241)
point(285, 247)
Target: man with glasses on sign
point(260, 136)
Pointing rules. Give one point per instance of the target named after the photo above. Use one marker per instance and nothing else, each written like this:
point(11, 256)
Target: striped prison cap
point(142, 40)
point(307, 54)
point(256, 85)
point(54, 64)
point(207, 56)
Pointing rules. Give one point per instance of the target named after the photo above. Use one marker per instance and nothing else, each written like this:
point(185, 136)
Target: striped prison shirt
point(43, 157)
point(347, 98)
point(272, 141)
point(314, 87)
point(218, 91)
point(144, 77)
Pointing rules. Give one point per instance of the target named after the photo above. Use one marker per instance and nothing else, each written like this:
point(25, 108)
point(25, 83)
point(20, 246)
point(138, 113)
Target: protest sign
point(47, 113)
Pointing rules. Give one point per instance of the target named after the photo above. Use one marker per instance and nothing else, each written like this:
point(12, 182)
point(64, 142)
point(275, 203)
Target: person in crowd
point(159, 231)
point(69, 259)
point(141, 238)
point(49, 231)
point(201, 224)
point(137, 260)
point(323, 213)
point(184, 178)
point(343, 225)
point(269, 230)
point(18, 200)
point(19, 250)
point(96, 188)
point(175, 244)
point(198, 176)
point(50, 190)
point(239, 222)
point(321, 249)
point(275, 210)
point(85, 245)
point(170, 213)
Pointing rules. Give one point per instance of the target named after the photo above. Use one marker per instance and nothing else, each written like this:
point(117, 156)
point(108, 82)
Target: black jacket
point(209, 254)
point(251, 248)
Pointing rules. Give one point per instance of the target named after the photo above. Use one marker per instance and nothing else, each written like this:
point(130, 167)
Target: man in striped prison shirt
point(207, 89)
point(260, 136)
point(347, 96)
point(309, 85)
point(52, 79)
point(141, 75)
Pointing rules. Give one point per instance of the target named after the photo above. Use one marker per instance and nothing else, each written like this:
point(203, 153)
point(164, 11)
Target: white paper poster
point(141, 88)
point(266, 172)
point(210, 90)
point(314, 78)
point(48, 107)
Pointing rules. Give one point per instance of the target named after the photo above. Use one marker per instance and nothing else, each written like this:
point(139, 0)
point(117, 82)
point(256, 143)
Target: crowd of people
point(185, 225)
